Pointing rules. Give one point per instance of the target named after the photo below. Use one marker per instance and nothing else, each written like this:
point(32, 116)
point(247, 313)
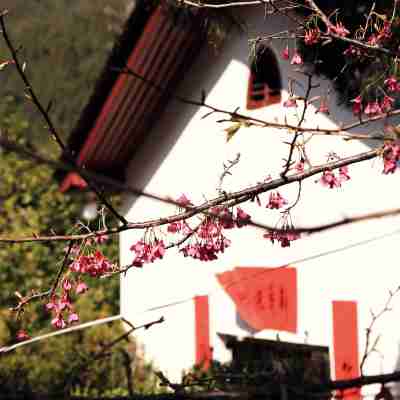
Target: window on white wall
point(265, 81)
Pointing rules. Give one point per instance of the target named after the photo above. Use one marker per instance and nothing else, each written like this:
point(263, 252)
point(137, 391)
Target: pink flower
point(387, 103)
point(67, 285)
point(311, 37)
point(174, 227)
point(242, 218)
point(276, 201)
point(344, 173)
point(52, 305)
point(158, 250)
point(391, 157)
point(357, 106)
point(323, 107)
point(290, 102)
point(392, 84)
point(386, 31)
point(147, 252)
point(353, 51)
point(329, 179)
point(372, 109)
point(58, 322)
point(22, 335)
point(296, 59)
point(64, 302)
point(102, 238)
point(299, 167)
point(81, 287)
point(73, 317)
point(283, 237)
point(339, 29)
point(389, 166)
point(285, 53)
point(184, 201)
point(373, 40)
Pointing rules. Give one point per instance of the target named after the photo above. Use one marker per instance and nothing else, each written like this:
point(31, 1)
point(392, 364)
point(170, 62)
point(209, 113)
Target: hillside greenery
point(65, 44)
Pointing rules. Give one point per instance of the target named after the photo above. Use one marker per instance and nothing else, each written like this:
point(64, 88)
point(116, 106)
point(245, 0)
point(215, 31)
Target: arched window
point(265, 79)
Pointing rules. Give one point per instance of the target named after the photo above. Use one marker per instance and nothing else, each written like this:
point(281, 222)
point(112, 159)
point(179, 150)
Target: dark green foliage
point(65, 44)
point(31, 203)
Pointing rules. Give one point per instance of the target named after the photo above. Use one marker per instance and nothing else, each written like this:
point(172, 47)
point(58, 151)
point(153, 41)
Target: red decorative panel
point(345, 344)
point(202, 331)
point(266, 298)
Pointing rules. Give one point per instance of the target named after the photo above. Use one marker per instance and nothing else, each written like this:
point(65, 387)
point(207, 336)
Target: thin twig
point(375, 317)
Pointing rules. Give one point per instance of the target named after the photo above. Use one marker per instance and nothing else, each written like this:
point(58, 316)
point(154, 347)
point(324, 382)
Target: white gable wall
point(184, 154)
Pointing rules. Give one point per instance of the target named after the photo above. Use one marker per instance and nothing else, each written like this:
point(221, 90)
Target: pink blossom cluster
point(95, 264)
point(296, 58)
point(61, 306)
point(290, 102)
point(285, 232)
point(209, 240)
point(147, 252)
point(338, 29)
point(392, 84)
point(382, 34)
point(283, 237)
point(22, 335)
point(391, 157)
point(373, 108)
point(332, 180)
point(312, 36)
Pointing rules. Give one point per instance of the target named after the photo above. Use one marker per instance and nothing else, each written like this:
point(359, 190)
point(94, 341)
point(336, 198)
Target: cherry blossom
point(329, 179)
point(147, 252)
point(184, 201)
point(311, 37)
point(59, 322)
point(392, 84)
point(73, 317)
point(102, 238)
point(242, 218)
point(344, 173)
point(387, 103)
point(81, 287)
point(372, 108)
point(339, 29)
point(391, 157)
point(290, 102)
point(285, 53)
point(357, 106)
point(22, 335)
point(296, 59)
point(323, 107)
point(276, 201)
point(285, 233)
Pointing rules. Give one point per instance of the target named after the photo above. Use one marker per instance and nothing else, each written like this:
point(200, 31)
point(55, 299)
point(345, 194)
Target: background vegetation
point(65, 44)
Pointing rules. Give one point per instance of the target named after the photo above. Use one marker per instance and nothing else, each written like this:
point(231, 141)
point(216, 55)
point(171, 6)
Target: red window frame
point(265, 83)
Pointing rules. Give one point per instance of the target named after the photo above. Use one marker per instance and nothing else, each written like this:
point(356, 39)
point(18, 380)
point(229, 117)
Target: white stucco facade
point(184, 153)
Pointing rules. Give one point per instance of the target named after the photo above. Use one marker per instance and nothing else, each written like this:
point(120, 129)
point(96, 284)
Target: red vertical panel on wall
point(202, 331)
point(345, 344)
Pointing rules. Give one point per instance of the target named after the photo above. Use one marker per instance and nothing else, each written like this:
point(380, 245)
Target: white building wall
point(184, 154)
